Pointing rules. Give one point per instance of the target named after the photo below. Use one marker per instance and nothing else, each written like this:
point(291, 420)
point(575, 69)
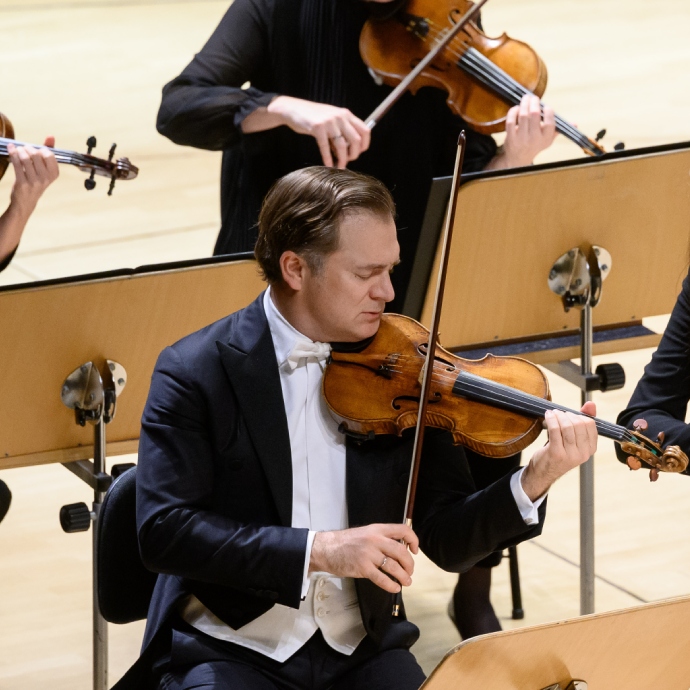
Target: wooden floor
point(82, 67)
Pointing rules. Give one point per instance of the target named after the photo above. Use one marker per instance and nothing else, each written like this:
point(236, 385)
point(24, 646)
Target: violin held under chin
point(495, 405)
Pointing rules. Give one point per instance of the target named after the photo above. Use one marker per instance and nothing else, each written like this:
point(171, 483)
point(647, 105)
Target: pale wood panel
point(602, 649)
point(48, 332)
point(509, 232)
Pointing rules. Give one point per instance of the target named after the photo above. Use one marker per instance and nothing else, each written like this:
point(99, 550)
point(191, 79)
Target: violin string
point(483, 69)
point(496, 392)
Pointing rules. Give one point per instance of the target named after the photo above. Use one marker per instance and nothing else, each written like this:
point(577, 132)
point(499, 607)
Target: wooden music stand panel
point(641, 648)
point(510, 230)
point(49, 331)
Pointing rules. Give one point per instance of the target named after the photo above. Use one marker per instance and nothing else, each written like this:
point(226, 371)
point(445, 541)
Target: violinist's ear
point(293, 267)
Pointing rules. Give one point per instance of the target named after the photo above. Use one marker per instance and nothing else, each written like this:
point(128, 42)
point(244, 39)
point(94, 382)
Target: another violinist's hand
point(528, 132)
point(373, 552)
point(635, 464)
point(336, 130)
point(34, 171)
point(572, 440)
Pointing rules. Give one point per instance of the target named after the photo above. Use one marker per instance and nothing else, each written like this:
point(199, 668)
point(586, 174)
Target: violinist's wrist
point(318, 558)
point(265, 117)
point(535, 482)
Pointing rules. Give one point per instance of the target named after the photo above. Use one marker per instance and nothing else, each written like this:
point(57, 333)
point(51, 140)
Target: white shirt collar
point(284, 334)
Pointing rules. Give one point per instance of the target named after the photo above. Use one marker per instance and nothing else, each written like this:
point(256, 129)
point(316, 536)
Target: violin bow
point(400, 89)
point(428, 367)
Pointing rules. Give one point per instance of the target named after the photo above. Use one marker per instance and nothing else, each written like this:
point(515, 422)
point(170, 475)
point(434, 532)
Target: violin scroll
point(669, 459)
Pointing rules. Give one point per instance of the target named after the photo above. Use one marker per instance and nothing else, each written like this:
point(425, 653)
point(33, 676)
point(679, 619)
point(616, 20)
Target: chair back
point(124, 585)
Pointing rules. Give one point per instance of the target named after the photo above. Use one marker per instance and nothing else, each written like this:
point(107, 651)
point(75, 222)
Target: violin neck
point(483, 390)
point(61, 155)
point(480, 68)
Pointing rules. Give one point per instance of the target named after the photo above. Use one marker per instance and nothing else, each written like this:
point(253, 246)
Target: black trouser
point(200, 661)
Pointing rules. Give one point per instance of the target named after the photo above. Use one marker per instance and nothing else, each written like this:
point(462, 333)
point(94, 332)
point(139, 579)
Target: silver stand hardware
point(577, 277)
point(93, 399)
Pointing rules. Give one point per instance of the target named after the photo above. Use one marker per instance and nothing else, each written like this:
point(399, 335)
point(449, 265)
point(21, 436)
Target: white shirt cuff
point(305, 575)
point(527, 509)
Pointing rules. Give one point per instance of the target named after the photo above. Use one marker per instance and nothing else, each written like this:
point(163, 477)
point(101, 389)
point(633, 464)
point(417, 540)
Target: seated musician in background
point(662, 394)
point(281, 85)
point(277, 537)
point(34, 171)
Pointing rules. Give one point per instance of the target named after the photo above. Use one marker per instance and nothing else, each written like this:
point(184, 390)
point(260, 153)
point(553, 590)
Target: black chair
point(124, 585)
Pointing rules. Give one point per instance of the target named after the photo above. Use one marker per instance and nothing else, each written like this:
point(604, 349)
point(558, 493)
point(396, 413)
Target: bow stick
point(428, 367)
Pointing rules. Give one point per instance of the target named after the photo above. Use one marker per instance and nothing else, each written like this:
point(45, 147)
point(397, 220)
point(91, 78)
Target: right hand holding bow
point(336, 130)
point(374, 552)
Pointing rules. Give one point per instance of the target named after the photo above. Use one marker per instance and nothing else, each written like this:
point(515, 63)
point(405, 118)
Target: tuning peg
point(112, 185)
point(111, 153)
point(640, 425)
point(600, 135)
point(660, 438)
point(90, 183)
point(91, 143)
point(619, 146)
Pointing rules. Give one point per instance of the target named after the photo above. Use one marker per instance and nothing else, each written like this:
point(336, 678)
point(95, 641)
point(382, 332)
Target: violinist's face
point(344, 299)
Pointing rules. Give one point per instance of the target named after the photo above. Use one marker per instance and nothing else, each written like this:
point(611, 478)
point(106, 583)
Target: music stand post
point(577, 277)
point(95, 402)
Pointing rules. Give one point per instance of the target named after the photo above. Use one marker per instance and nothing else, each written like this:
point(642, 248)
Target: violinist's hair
point(303, 210)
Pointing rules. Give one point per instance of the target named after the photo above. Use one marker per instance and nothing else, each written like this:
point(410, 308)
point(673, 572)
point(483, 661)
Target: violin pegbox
point(121, 169)
point(669, 459)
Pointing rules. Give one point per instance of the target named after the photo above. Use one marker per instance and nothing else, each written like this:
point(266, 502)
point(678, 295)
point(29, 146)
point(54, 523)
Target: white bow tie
point(305, 349)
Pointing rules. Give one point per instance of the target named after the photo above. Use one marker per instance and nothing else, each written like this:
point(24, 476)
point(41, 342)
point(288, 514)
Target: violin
point(484, 77)
point(120, 169)
point(495, 405)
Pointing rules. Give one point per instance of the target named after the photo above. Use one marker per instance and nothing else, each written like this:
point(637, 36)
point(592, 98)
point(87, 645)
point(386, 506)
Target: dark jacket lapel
point(249, 360)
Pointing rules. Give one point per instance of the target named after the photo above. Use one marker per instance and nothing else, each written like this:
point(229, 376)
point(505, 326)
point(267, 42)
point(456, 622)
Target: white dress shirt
point(319, 504)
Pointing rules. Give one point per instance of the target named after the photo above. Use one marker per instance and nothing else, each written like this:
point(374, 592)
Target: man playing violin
point(281, 85)
point(277, 537)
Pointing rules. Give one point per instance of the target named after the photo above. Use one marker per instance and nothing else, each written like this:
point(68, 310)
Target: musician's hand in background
point(34, 170)
point(341, 136)
point(572, 440)
point(528, 132)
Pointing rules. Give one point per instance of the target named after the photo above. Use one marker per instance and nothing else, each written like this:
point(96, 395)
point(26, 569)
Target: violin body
point(392, 47)
point(377, 391)
point(494, 405)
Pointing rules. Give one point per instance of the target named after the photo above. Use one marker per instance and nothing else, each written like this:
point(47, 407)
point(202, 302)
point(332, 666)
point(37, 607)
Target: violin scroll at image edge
point(672, 458)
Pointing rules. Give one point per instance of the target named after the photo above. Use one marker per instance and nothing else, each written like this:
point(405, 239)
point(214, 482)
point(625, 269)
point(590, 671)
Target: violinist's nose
point(382, 289)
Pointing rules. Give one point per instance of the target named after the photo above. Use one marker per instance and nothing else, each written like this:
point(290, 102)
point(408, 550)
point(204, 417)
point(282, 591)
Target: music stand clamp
point(577, 277)
point(94, 400)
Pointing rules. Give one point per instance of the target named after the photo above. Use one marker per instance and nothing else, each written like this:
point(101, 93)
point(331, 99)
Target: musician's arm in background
point(34, 170)
point(661, 396)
